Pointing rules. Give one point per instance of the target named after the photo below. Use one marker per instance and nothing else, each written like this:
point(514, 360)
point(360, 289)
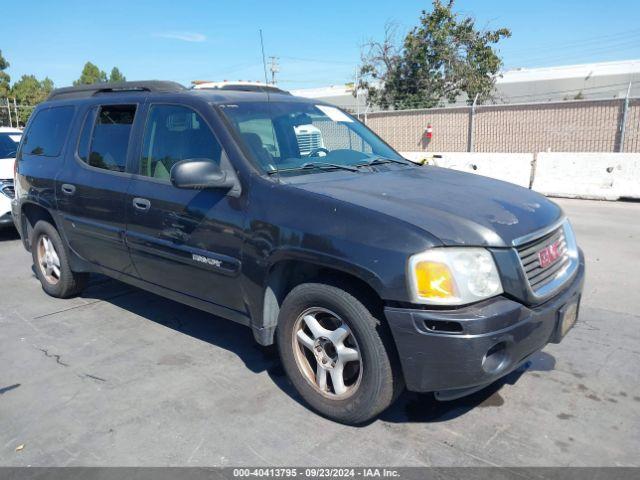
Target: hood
point(6, 168)
point(456, 207)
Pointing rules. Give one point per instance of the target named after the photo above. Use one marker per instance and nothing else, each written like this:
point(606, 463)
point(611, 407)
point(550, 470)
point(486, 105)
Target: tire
point(363, 387)
point(51, 263)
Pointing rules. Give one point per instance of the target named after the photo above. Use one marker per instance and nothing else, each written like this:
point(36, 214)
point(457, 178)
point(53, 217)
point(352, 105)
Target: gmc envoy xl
point(288, 215)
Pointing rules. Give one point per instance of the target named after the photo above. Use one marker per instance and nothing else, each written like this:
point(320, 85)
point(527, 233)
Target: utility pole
point(273, 68)
point(472, 119)
point(9, 111)
point(355, 85)
point(15, 108)
point(623, 123)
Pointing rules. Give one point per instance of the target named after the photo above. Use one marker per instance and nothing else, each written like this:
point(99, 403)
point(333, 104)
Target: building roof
point(323, 92)
point(583, 71)
point(585, 81)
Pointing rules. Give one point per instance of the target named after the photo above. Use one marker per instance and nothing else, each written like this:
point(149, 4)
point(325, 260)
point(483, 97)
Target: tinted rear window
point(48, 132)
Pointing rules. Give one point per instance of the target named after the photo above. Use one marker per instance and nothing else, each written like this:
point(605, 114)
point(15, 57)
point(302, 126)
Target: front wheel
point(336, 353)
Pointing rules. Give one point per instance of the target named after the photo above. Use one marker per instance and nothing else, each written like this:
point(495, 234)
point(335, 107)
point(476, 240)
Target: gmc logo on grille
point(549, 255)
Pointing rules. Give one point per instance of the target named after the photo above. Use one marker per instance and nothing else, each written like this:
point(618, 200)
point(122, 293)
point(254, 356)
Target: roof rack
point(86, 91)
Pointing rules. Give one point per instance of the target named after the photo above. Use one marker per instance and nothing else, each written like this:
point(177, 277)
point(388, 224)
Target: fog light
point(496, 358)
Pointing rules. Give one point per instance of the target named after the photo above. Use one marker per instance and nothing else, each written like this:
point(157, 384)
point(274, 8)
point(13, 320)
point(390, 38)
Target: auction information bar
point(400, 473)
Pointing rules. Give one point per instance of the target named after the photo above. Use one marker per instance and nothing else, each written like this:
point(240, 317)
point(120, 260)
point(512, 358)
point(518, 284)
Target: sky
point(318, 42)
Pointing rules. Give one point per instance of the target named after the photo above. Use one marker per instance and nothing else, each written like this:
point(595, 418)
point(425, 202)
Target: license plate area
point(567, 317)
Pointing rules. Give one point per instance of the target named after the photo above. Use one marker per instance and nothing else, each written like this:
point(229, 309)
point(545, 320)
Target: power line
point(317, 60)
point(556, 46)
point(607, 42)
point(560, 55)
point(599, 40)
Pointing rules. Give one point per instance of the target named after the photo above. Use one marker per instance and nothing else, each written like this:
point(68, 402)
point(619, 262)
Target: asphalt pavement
point(122, 377)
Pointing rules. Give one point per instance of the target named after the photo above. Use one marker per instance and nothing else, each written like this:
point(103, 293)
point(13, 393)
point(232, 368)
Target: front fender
point(322, 259)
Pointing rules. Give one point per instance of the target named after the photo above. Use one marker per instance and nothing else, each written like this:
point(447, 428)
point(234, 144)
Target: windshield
point(9, 144)
point(291, 136)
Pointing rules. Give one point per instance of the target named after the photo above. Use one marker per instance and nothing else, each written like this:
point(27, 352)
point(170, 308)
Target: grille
point(6, 187)
point(308, 141)
point(538, 276)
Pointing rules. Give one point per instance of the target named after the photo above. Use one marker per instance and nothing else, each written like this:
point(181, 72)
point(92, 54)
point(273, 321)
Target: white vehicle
point(309, 139)
point(9, 141)
point(240, 85)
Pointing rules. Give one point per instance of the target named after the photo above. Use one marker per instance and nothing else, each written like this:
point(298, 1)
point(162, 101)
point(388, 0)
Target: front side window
point(287, 136)
point(174, 133)
point(48, 132)
point(109, 140)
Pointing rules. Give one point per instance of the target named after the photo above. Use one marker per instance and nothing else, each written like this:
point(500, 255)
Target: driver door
point(185, 240)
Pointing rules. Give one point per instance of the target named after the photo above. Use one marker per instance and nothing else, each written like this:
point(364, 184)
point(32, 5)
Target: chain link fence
point(567, 126)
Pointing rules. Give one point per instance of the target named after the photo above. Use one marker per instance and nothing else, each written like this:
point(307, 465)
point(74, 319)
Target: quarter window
point(48, 132)
point(85, 136)
point(175, 133)
point(110, 137)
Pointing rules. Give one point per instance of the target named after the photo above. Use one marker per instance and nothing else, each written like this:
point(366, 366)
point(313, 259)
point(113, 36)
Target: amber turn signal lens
point(434, 280)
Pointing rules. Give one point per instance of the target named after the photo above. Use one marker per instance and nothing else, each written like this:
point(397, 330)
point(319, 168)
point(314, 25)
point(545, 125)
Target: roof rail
point(86, 91)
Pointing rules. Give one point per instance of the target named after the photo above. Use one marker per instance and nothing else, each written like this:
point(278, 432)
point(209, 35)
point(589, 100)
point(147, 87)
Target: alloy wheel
point(327, 353)
point(48, 260)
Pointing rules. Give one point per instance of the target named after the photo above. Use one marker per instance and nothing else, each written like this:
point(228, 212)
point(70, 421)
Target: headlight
point(453, 276)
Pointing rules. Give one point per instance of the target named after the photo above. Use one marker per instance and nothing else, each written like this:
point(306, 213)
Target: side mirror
point(199, 173)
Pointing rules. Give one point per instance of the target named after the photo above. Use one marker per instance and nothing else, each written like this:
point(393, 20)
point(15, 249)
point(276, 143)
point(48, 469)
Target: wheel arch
point(285, 274)
point(32, 213)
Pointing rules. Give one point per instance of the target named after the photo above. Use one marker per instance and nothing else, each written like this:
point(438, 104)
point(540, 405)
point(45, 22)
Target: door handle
point(141, 204)
point(68, 188)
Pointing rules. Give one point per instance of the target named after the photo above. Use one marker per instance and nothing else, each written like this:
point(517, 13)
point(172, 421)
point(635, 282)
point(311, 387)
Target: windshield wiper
point(382, 160)
point(333, 166)
point(327, 165)
point(318, 165)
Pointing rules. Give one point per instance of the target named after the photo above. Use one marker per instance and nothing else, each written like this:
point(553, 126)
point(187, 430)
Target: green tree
point(91, 74)
point(4, 77)
point(116, 76)
point(442, 58)
point(28, 92)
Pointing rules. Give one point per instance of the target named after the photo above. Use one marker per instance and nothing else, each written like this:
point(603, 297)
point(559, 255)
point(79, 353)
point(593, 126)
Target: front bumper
point(456, 352)
point(6, 220)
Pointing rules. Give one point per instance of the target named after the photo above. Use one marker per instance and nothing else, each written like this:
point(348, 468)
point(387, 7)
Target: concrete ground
point(123, 377)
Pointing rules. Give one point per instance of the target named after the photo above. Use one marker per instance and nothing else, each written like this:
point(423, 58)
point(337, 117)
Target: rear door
point(92, 188)
point(186, 240)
